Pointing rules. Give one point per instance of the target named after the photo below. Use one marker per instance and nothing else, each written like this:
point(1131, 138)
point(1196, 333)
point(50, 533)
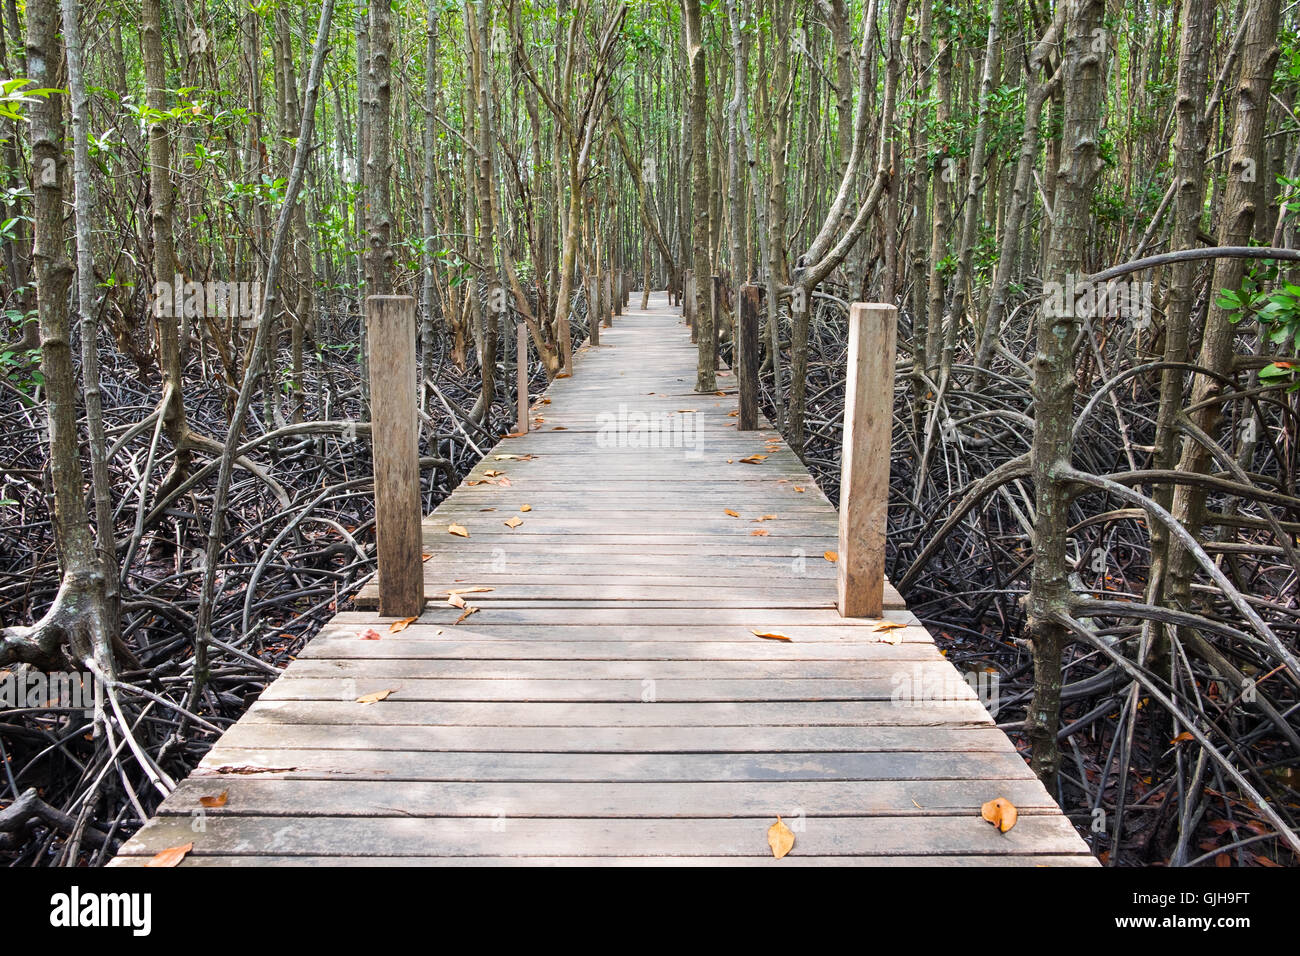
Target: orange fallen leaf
point(455, 600)
point(765, 517)
point(370, 635)
point(468, 611)
point(799, 489)
point(213, 802)
point(780, 838)
point(887, 625)
point(831, 556)
point(477, 589)
point(458, 530)
point(492, 473)
point(769, 635)
point(513, 522)
point(753, 459)
point(398, 627)
point(525, 508)
point(734, 514)
point(758, 533)
point(1001, 813)
point(1182, 738)
point(374, 698)
point(171, 856)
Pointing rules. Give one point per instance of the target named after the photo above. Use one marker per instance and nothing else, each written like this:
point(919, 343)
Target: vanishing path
point(609, 701)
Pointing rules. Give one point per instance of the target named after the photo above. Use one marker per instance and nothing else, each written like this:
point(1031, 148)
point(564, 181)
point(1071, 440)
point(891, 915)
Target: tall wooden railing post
point(864, 466)
point(521, 371)
point(747, 358)
point(691, 304)
point(593, 308)
point(715, 307)
point(395, 440)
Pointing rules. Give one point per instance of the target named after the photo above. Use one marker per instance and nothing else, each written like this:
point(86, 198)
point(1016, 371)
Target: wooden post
point(521, 382)
point(593, 308)
point(715, 304)
point(691, 304)
point(627, 290)
point(616, 291)
point(747, 357)
point(864, 466)
point(607, 305)
point(395, 440)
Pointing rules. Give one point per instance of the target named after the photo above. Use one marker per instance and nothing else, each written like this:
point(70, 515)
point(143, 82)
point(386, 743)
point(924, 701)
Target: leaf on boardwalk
point(780, 838)
point(887, 626)
point(525, 508)
point(753, 459)
point(687, 411)
point(374, 698)
point(734, 514)
point(458, 530)
point(468, 611)
point(831, 556)
point(758, 533)
point(370, 635)
point(455, 600)
point(560, 428)
point(213, 803)
point(171, 856)
point(503, 481)
point(513, 457)
point(399, 626)
point(476, 589)
point(799, 489)
point(492, 473)
point(515, 434)
point(765, 517)
point(1001, 813)
point(734, 414)
point(513, 522)
point(769, 635)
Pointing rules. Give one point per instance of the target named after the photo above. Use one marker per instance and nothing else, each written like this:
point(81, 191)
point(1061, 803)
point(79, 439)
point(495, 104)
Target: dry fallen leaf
point(171, 856)
point(1001, 813)
point(374, 698)
point(492, 473)
point(513, 522)
point(458, 530)
point(370, 635)
point(798, 489)
point(213, 802)
point(734, 514)
point(525, 508)
point(758, 533)
point(467, 612)
point(398, 627)
point(769, 635)
point(780, 838)
point(477, 589)
point(455, 600)
point(753, 459)
point(831, 556)
point(887, 626)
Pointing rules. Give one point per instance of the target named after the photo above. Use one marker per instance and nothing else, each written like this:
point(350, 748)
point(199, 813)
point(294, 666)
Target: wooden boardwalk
point(609, 700)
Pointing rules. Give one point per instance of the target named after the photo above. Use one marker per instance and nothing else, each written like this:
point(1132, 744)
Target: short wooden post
point(616, 291)
point(395, 441)
point(747, 358)
point(627, 290)
point(521, 382)
point(593, 308)
point(607, 296)
point(864, 466)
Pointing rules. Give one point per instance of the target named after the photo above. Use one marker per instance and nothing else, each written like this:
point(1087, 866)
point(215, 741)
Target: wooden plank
point(498, 836)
